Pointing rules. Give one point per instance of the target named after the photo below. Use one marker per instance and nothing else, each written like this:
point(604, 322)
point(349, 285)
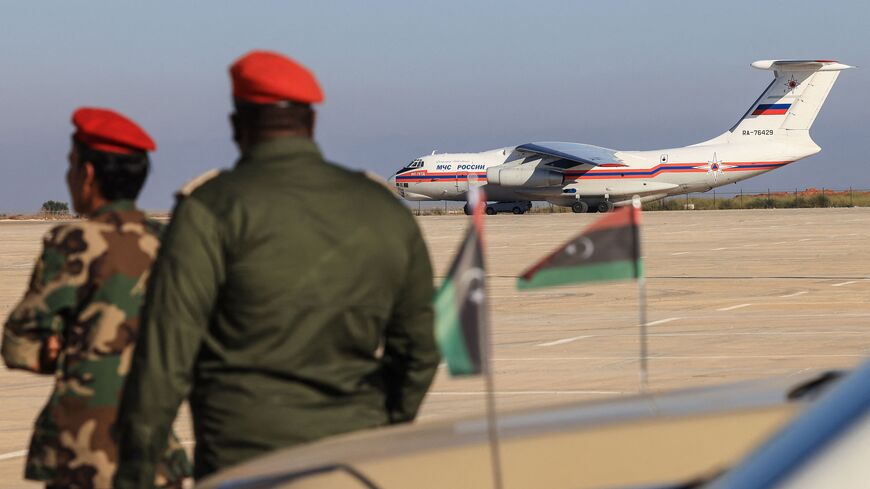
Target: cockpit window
point(418, 163)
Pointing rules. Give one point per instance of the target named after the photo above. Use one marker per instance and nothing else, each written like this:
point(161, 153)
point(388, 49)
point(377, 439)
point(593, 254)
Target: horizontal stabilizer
point(800, 65)
point(792, 101)
point(581, 154)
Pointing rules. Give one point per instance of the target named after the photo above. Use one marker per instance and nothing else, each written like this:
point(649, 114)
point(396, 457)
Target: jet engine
point(523, 176)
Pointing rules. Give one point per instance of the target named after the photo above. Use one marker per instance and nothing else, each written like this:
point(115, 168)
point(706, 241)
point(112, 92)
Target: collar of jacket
point(280, 149)
point(115, 205)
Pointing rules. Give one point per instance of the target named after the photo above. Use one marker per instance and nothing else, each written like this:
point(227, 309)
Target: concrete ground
point(732, 295)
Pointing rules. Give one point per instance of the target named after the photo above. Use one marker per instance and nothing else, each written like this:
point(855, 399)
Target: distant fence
point(711, 200)
point(765, 199)
point(55, 215)
point(67, 215)
point(45, 215)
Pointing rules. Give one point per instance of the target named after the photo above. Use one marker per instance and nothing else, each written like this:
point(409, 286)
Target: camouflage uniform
point(87, 289)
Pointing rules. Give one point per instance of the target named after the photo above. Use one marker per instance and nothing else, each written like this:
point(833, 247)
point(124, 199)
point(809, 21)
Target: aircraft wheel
point(518, 210)
point(490, 211)
point(579, 207)
point(467, 210)
point(605, 206)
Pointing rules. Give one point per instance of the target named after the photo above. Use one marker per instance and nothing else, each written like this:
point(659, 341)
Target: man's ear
point(88, 174)
point(90, 191)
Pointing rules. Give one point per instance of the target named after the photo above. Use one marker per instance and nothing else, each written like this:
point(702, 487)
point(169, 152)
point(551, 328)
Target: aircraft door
point(461, 183)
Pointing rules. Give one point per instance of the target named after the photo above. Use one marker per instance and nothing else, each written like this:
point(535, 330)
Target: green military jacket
point(291, 301)
point(86, 290)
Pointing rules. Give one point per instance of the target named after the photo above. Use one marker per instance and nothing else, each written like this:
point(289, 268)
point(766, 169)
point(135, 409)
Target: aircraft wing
point(572, 154)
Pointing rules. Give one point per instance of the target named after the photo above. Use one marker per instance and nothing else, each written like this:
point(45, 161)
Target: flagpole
point(491, 420)
point(478, 201)
point(641, 296)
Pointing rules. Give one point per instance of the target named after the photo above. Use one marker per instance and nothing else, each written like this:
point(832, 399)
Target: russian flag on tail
point(771, 109)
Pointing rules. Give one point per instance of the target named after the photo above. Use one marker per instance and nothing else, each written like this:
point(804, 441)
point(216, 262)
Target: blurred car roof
point(639, 440)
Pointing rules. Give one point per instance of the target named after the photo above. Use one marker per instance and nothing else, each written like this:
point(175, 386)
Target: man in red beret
point(291, 300)
point(79, 318)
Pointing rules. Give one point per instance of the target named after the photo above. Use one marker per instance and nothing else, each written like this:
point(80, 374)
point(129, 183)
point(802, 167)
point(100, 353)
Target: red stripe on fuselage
point(625, 173)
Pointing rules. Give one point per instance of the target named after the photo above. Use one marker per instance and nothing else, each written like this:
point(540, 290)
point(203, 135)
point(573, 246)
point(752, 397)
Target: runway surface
point(732, 295)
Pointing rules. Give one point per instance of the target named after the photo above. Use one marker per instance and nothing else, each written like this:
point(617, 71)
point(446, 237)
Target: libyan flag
point(461, 323)
point(609, 249)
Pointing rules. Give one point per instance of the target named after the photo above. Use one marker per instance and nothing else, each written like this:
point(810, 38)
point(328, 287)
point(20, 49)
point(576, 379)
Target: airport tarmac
point(732, 295)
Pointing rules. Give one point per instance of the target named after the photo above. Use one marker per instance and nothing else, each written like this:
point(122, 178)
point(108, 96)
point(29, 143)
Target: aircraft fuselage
point(771, 134)
point(658, 173)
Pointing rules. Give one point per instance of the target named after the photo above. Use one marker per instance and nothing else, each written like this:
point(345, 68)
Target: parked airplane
point(771, 134)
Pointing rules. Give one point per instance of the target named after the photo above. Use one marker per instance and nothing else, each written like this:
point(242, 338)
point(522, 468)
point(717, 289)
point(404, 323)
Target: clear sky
point(403, 78)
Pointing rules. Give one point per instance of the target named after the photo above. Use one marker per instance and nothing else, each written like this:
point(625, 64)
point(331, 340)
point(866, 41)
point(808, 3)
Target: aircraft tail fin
point(793, 100)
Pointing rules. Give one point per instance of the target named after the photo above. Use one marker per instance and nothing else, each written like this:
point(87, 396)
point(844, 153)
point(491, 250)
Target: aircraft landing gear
point(605, 206)
point(467, 210)
point(579, 207)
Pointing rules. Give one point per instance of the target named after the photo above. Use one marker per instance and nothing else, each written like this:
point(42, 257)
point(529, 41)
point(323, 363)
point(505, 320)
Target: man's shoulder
point(69, 249)
point(220, 186)
point(88, 236)
point(217, 189)
point(208, 191)
point(202, 183)
point(72, 234)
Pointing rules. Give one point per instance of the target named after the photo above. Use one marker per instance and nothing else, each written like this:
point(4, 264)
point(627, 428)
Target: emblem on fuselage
point(714, 167)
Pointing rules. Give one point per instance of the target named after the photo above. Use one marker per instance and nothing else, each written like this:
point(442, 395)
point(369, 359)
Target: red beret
point(107, 130)
point(264, 77)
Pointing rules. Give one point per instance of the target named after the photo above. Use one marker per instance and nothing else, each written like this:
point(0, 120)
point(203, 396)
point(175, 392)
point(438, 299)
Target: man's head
point(273, 96)
point(108, 159)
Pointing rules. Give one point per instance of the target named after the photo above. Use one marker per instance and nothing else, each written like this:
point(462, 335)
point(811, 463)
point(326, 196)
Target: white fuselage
point(648, 174)
point(772, 133)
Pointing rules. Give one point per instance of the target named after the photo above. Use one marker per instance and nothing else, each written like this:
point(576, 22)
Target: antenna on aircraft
point(433, 151)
